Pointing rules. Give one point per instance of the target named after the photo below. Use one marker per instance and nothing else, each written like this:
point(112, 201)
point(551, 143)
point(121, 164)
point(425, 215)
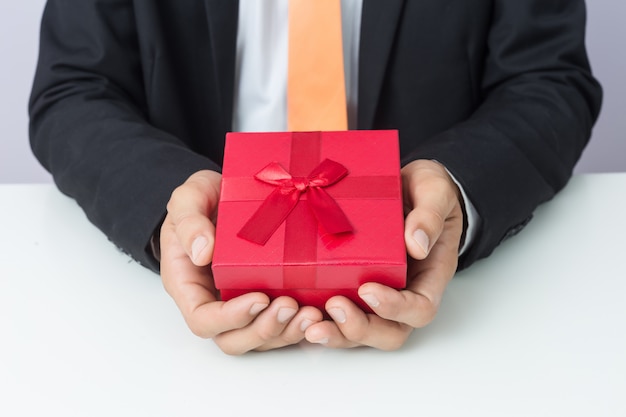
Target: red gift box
point(310, 215)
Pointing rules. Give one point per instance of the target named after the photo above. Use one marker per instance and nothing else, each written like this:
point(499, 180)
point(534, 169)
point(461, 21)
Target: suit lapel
point(379, 20)
point(222, 16)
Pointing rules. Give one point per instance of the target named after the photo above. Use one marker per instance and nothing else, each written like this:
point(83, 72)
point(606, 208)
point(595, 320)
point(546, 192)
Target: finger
point(431, 195)
point(327, 333)
point(352, 327)
point(294, 332)
point(214, 318)
point(266, 328)
point(194, 293)
point(190, 210)
point(415, 308)
point(426, 283)
point(197, 235)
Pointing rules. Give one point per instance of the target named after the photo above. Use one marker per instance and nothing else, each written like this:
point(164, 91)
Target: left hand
point(433, 229)
point(248, 322)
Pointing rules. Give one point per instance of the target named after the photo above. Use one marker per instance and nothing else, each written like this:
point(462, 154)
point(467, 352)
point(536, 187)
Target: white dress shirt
point(261, 66)
point(260, 102)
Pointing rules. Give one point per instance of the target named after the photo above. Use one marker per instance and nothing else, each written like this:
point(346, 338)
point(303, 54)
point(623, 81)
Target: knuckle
point(189, 191)
point(424, 316)
point(358, 334)
point(200, 332)
point(291, 338)
point(199, 329)
point(229, 348)
point(422, 311)
point(266, 334)
point(187, 223)
point(429, 217)
point(434, 214)
point(178, 194)
point(395, 343)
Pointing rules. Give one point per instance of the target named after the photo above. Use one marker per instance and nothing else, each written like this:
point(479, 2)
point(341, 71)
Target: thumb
point(422, 228)
point(189, 213)
point(431, 196)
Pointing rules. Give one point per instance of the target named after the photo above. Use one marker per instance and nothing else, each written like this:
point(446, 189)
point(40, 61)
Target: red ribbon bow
point(277, 206)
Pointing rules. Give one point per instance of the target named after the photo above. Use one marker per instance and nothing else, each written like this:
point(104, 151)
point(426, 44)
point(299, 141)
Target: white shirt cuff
point(472, 218)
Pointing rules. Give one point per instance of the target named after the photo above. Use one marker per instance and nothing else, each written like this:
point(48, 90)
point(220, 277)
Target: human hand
point(248, 322)
point(433, 229)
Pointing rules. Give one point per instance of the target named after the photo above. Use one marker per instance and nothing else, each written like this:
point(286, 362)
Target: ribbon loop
point(273, 174)
point(276, 207)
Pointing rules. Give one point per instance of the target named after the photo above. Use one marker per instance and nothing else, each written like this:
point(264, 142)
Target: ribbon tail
point(269, 216)
point(327, 212)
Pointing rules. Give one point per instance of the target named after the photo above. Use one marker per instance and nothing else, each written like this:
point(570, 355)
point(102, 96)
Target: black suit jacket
point(132, 96)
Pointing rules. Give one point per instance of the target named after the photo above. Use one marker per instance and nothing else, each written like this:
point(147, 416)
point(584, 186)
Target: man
point(493, 99)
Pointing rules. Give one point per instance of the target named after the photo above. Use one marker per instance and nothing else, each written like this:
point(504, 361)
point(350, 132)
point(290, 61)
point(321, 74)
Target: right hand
point(433, 229)
point(248, 322)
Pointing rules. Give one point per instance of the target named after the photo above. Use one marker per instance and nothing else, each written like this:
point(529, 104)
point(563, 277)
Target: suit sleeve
point(539, 103)
point(88, 123)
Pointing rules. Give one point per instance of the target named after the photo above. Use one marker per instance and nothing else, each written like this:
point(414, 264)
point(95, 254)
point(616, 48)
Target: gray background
point(19, 28)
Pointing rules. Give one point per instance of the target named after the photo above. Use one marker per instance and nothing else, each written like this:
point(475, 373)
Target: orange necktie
point(316, 92)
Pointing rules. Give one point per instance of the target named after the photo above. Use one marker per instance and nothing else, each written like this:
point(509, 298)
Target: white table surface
point(537, 329)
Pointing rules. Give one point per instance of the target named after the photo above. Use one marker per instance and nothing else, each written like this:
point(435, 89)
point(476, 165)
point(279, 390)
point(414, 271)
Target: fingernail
point(371, 300)
point(305, 324)
point(323, 341)
point(257, 308)
point(422, 239)
point(337, 314)
point(285, 314)
point(198, 246)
